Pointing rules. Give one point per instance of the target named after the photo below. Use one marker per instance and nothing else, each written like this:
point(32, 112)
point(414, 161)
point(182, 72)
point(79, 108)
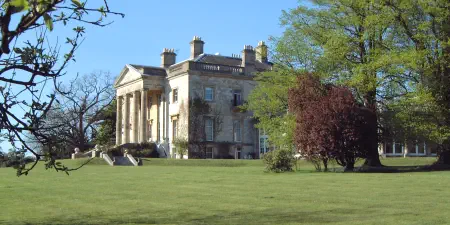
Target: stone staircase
point(122, 161)
point(127, 160)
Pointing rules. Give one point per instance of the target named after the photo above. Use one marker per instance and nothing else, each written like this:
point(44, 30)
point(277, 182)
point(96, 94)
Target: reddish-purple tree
point(330, 125)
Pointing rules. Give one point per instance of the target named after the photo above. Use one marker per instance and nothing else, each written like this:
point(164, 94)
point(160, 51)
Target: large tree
point(360, 47)
point(75, 119)
point(424, 29)
point(31, 63)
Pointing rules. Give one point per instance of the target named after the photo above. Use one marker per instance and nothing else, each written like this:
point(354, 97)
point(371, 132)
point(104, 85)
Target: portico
point(137, 105)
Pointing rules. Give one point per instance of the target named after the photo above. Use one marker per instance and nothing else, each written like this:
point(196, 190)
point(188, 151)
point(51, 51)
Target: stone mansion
point(152, 101)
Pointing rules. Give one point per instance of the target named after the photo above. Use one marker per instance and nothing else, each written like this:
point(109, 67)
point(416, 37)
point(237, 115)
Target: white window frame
point(237, 136)
point(174, 129)
point(212, 94)
point(265, 137)
point(212, 152)
point(209, 128)
point(417, 153)
point(175, 90)
point(395, 150)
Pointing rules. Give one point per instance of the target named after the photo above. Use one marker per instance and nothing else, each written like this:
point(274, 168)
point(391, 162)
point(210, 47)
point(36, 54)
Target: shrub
point(330, 124)
point(144, 150)
point(280, 160)
point(182, 145)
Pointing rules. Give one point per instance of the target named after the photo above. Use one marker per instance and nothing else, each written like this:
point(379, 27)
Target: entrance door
point(238, 153)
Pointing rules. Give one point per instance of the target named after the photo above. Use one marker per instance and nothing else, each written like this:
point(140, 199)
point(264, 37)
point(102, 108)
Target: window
point(175, 95)
point(237, 130)
point(398, 148)
point(209, 129)
point(421, 148)
point(388, 147)
point(174, 129)
point(237, 100)
point(209, 152)
point(263, 143)
point(209, 94)
point(394, 148)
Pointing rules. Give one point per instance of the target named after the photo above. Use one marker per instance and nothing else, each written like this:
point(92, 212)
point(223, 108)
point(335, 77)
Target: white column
point(126, 116)
point(119, 121)
point(393, 147)
point(405, 149)
point(143, 130)
point(425, 148)
point(417, 147)
point(135, 117)
point(158, 119)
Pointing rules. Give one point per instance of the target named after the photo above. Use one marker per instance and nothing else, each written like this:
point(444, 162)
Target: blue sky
point(151, 25)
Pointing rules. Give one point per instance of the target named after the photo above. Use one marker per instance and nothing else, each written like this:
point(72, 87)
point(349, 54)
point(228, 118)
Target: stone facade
point(153, 101)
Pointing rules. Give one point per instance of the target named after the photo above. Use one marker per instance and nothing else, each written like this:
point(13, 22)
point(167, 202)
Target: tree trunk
point(444, 155)
point(444, 158)
point(371, 144)
point(349, 167)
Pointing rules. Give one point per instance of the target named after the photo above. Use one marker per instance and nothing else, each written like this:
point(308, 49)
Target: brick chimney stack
point(168, 57)
point(196, 47)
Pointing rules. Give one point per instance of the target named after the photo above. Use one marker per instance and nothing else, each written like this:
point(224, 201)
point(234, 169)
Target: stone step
point(122, 161)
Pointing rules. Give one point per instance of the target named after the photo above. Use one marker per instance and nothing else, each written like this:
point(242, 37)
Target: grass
point(223, 192)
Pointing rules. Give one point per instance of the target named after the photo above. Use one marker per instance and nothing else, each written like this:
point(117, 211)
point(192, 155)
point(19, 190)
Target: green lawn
point(223, 192)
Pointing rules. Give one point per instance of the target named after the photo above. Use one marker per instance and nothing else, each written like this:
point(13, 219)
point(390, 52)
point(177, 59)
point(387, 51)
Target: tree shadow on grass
point(266, 216)
point(403, 169)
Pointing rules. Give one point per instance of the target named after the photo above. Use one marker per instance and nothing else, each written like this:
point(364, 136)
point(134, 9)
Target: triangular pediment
point(127, 75)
